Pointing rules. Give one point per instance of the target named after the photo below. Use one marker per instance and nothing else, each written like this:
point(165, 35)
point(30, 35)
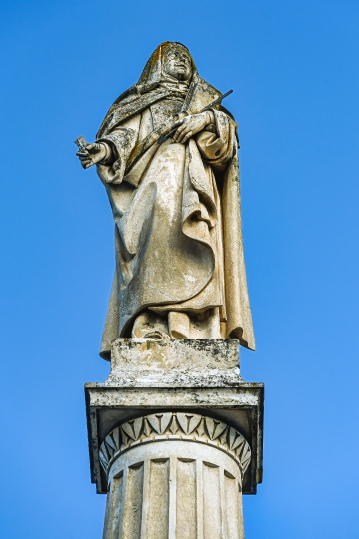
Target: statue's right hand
point(92, 154)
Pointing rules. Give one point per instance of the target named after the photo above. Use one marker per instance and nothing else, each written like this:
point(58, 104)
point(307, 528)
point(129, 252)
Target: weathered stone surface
point(174, 432)
point(174, 363)
point(240, 407)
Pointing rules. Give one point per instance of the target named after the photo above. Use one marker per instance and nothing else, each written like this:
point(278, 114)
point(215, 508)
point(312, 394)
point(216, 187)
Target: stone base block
point(174, 363)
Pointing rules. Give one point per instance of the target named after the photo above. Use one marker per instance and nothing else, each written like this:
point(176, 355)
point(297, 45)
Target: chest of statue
point(164, 111)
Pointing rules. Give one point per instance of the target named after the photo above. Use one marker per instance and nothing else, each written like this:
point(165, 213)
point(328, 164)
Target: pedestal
point(175, 438)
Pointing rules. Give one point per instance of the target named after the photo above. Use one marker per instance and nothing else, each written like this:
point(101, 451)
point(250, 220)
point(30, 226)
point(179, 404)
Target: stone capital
point(175, 426)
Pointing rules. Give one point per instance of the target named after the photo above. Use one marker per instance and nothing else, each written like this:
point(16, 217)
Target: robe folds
point(176, 207)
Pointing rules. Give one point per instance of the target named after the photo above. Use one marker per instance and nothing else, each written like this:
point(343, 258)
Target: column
point(174, 475)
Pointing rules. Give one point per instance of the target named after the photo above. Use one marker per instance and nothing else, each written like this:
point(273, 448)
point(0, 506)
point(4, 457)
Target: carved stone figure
point(172, 178)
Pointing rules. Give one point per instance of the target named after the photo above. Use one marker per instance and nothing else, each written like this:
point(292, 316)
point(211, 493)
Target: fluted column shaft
point(174, 476)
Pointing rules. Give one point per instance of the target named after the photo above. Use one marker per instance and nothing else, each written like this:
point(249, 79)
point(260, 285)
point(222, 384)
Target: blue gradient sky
point(294, 70)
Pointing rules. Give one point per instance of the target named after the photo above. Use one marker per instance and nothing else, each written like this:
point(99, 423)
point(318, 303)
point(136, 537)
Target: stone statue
point(171, 175)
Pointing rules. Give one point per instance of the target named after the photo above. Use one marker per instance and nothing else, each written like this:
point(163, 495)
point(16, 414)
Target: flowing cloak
point(176, 208)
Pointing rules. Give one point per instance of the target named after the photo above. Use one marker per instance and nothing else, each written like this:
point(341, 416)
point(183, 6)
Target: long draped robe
point(176, 208)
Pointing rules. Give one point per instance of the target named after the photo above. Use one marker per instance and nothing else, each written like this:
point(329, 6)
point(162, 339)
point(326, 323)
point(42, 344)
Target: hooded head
point(170, 59)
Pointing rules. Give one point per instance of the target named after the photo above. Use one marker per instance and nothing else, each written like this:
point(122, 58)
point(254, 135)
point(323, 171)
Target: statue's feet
point(158, 335)
point(149, 325)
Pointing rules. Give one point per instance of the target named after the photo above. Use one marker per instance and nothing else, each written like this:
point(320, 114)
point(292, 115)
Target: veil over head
point(153, 70)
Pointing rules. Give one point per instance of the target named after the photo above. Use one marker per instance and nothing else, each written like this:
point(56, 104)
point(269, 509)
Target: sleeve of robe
point(220, 149)
point(122, 140)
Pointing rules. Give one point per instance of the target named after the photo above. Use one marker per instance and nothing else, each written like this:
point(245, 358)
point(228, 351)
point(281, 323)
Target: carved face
point(177, 63)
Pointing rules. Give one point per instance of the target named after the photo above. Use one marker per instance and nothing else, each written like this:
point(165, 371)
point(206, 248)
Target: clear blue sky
point(293, 66)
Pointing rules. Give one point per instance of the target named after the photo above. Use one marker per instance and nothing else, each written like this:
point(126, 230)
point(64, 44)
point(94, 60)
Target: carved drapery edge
point(175, 426)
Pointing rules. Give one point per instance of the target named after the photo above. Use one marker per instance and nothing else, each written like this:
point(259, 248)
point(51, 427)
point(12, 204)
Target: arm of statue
point(110, 153)
point(92, 154)
point(218, 146)
point(191, 125)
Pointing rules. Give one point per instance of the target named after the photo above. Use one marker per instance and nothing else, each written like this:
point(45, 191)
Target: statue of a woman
point(175, 199)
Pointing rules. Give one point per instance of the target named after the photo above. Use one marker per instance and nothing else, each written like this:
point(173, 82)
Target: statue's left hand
point(190, 125)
